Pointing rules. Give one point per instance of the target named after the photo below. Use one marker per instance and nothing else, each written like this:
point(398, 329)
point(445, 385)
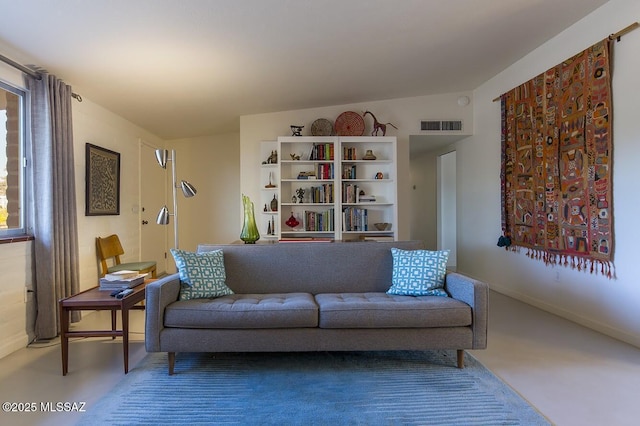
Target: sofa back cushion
point(354, 267)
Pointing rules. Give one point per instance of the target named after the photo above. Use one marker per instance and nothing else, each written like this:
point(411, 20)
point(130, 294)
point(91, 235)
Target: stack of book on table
point(121, 280)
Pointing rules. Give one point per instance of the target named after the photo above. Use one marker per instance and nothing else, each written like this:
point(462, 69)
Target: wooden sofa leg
point(460, 358)
point(172, 362)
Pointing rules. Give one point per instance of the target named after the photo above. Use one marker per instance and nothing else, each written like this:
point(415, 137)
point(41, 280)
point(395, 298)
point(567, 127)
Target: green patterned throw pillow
point(202, 274)
point(418, 272)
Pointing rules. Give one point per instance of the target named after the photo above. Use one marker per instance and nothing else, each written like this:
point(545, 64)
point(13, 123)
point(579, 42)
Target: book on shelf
point(115, 281)
point(376, 238)
point(367, 199)
point(306, 240)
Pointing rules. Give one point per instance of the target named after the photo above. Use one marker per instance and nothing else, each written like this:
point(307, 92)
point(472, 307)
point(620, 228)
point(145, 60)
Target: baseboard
point(9, 346)
point(569, 315)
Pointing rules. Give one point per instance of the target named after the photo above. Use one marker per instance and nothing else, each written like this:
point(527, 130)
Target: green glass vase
point(249, 232)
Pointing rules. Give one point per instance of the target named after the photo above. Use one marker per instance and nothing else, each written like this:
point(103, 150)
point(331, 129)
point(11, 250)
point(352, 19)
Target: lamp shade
point(187, 189)
point(161, 157)
point(163, 216)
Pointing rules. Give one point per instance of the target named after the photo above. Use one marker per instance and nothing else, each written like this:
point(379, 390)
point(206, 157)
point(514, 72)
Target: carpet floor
point(350, 388)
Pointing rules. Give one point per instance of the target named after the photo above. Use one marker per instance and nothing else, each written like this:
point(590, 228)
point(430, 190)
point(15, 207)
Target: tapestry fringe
point(593, 266)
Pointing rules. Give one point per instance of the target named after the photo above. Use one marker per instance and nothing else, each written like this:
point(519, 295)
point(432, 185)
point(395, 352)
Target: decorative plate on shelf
point(349, 123)
point(321, 127)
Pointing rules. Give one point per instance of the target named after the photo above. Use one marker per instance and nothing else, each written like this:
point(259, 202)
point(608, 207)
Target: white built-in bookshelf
point(327, 188)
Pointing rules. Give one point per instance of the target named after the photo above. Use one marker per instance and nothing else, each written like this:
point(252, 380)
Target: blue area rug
point(326, 388)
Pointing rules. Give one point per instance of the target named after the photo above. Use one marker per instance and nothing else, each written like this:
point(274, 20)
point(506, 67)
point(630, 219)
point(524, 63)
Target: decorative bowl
point(382, 226)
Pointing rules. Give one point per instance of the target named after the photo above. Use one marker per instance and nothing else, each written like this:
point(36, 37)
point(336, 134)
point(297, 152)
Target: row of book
point(325, 171)
point(319, 221)
point(349, 172)
point(355, 219)
point(305, 240)
point(351, 193)
point(321, 194)
point(322, 151)
point(121, 280)
point(349, 153)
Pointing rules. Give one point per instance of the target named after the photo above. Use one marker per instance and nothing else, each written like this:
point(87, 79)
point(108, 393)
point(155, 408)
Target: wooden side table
point(96, 299)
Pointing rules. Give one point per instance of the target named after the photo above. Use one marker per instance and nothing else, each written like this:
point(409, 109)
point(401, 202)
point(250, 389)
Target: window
point(13, 160)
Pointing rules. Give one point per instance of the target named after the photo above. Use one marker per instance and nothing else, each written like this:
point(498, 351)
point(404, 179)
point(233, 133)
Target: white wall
point(610, 306)
point(404, 113)
point(447, 215)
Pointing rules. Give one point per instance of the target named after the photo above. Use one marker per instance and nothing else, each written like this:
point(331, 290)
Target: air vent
point(441, 125)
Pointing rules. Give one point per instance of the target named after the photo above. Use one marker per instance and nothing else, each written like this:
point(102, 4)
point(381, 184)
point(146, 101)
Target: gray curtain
point(54, 201)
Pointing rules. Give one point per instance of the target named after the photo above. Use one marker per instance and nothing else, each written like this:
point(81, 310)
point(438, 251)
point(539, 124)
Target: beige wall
point(98, 126)
point(212, 165)
point(404, 113)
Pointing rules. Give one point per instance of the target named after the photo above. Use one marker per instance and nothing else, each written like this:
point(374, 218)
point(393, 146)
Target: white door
point(447, 237)
point(152, 197)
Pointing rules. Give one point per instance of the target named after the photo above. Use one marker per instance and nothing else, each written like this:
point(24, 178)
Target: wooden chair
point(110, 248)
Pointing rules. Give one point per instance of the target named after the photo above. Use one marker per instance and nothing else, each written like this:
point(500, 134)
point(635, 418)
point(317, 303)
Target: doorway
point(446, 215)
point(153, 237)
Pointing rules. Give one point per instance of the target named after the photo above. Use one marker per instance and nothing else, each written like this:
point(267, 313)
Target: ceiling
point(192, 67)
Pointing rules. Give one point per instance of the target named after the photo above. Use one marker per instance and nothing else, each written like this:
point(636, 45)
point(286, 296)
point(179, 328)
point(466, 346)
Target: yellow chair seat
point(110, 248)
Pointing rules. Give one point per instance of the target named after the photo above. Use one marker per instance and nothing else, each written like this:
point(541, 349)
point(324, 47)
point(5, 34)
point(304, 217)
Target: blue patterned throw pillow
point(202, 274)
point(418, 272)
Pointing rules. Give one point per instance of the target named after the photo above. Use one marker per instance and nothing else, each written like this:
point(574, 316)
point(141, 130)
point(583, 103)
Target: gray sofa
point(314, 297)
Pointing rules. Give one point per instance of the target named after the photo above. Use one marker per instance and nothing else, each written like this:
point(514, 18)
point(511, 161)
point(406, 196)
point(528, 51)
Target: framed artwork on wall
point(102, 178)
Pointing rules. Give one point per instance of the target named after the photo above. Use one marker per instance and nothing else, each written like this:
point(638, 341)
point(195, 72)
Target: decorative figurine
point(272, 158)
point(274, 204)
point(296, 130)
point(369, 155)
point(270, 185)
point(294, 199)
point(294, 156)
point(378, 126)
point(292, 221)
point(300, 193)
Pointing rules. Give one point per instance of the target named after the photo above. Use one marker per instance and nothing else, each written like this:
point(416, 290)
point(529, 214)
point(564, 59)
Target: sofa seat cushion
point(242, 311)
point(382, 310)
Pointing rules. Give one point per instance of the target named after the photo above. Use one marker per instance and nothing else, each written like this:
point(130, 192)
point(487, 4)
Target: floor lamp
point(162, 156)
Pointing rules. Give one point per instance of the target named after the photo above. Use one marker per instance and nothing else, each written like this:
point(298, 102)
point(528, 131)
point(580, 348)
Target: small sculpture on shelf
point(271, 227)
point(270, 185)
point(292, 221)
point(378, 126)
point(274, 204)
point(294, 156)
point(300, 193)
point(296, 130)
point(272, 158)
point(369, 155)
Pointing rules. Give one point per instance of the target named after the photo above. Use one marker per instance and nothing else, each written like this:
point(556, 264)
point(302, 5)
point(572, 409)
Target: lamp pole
point(175, 198)
point(162, 156)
